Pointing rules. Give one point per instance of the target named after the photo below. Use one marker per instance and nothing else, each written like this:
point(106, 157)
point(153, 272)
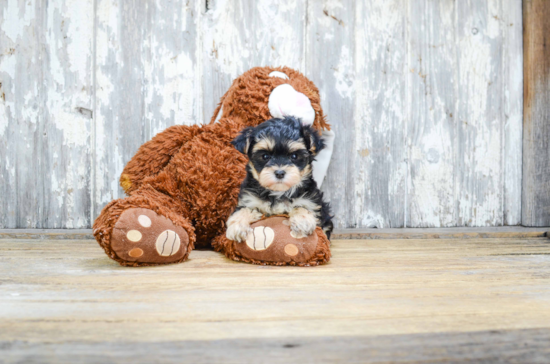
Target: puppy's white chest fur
point(279, 207)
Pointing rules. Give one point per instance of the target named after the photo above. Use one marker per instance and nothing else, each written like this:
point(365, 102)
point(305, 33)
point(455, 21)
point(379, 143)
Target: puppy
point(279, 180)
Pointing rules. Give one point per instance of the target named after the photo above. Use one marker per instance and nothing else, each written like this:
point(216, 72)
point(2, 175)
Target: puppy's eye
point(294, 156)
point(266, 157)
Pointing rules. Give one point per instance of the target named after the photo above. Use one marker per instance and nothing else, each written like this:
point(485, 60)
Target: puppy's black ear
point(314, 142)
point(242, 141)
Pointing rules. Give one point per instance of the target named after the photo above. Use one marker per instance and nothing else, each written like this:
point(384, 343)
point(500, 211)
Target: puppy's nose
point(280, 174)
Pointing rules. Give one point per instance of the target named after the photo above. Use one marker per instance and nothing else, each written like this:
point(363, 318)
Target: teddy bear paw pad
point(271, 240)
point(260, 238)
point(141, 235)
point(168, 242)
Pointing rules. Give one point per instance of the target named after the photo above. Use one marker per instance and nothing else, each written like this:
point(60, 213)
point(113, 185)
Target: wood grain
point(536, 115)
point(331, 66)
point(503, 232)
point(494, 346)
point(426, 101)
point(380, 115)
point(465, 133)
point(45, 113)
point(67, 297)
point(146, 79)
point(20, 130)
point(431, 133)
point(241, 34)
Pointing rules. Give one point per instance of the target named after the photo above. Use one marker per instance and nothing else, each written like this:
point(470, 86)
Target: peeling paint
point(74, 127)
point(239, 35)
point(3, 118)
point(224, 40)
point(344, 81)
point(425, 100)
point(24, 16)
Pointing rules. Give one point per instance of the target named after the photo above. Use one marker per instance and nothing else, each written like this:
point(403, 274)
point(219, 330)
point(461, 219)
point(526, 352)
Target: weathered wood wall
point(536, 116)
point(425, 97)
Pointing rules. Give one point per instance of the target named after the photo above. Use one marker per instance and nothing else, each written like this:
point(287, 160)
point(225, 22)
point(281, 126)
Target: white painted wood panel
point(482, 85)
point(431, 130)
point(46, 57)
point(425, 98)
point(146, 78)
point(241, 34)
point(380, 118)
point(330, 65)
point(465, 105)
point(511, 36)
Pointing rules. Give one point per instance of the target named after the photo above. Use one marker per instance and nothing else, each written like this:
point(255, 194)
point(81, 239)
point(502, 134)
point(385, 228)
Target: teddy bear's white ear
point(278, 74)
point(286, 101)
point(322, 160)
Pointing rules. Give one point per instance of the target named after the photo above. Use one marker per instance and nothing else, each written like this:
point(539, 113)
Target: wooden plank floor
point(377, 301)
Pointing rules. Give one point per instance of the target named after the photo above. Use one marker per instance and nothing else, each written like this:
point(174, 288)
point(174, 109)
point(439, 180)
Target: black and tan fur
point(279, 178)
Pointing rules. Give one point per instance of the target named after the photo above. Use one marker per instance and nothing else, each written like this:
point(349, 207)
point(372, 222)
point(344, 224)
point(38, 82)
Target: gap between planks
point(503, 232)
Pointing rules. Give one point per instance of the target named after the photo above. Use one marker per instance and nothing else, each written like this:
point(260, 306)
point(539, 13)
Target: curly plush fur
point(191, 174)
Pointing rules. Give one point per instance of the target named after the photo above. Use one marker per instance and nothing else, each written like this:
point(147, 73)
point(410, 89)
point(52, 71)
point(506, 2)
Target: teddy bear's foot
point(142, 236)
point(272, 242)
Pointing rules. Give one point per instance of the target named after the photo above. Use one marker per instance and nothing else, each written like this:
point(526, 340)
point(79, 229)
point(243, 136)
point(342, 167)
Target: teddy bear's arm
point(155, 154)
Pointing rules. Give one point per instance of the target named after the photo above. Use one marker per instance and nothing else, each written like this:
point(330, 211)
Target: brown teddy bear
point(184, 183)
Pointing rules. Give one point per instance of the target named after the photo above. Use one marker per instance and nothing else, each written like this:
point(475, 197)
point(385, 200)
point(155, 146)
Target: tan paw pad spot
point(291, 249)
point(286, 222)
point(135, 253)
point(260, 238)
point(133, 235)
point(144, 221)
point(168, 243)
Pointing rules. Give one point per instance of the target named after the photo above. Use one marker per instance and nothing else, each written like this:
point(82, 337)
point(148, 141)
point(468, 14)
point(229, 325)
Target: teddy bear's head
point(263, 93)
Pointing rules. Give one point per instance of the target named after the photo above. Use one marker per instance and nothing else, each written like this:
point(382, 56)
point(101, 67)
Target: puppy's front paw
point(302, 223)
point(238, 232)
point(238, 224)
